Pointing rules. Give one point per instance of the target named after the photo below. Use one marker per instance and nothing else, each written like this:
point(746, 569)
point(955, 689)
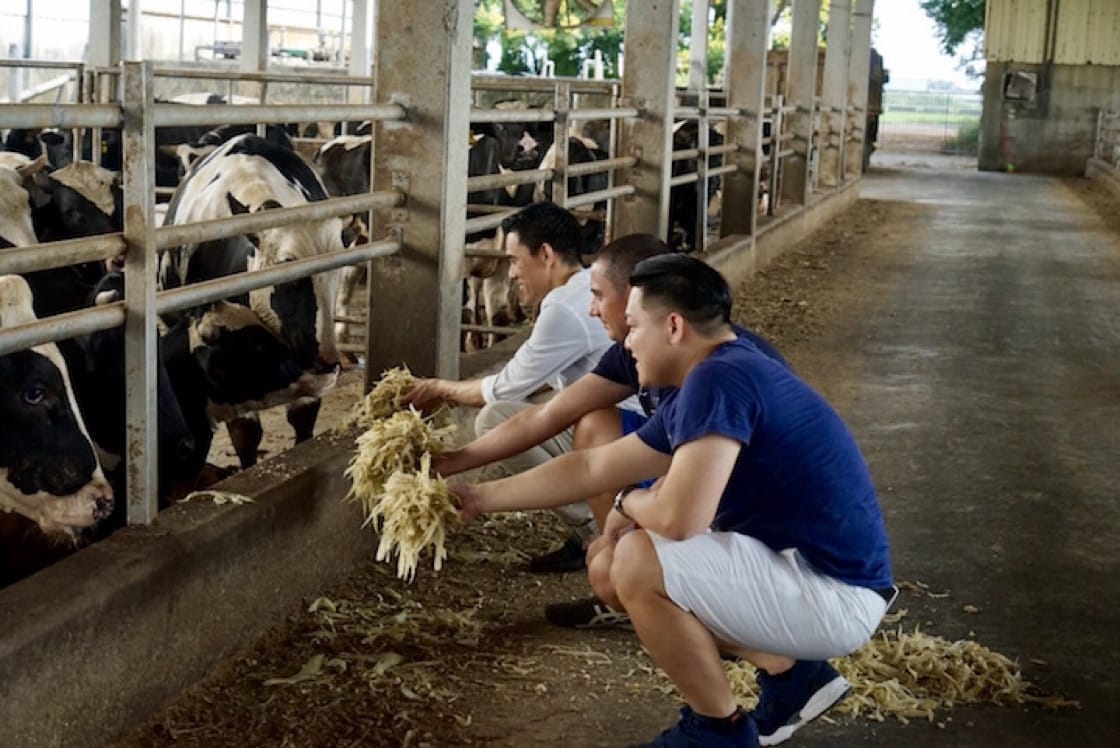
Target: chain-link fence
point(930, 121)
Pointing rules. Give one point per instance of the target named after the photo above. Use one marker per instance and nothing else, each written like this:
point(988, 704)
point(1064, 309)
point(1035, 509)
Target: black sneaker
point(588, 613)
point(569, 557)
point(788, 702)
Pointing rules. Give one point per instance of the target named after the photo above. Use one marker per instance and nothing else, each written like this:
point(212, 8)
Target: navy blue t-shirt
point(800, 480)
point(617, 365)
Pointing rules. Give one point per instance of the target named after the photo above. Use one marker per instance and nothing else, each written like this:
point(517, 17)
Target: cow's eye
point(34, 395)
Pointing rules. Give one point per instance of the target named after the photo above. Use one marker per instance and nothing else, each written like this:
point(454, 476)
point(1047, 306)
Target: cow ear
point(236, 207)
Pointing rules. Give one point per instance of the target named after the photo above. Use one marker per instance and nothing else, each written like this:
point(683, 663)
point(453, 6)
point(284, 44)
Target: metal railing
point(137, 115)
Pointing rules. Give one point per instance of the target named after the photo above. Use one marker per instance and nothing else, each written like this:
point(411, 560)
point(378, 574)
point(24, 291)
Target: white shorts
point(750, 596)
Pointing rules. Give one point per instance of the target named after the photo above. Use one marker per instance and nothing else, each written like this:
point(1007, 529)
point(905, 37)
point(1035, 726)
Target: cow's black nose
point(103, 507)
point(326, 367)
point(184, 449)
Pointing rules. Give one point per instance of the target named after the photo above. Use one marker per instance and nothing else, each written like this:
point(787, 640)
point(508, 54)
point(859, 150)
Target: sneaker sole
point(824, 699)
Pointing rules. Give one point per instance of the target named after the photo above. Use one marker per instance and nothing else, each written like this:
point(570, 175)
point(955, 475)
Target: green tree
point(957, 20)
point(525, 52)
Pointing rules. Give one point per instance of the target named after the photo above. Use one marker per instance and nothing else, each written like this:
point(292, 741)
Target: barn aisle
point(962, 323)
point(977, 365)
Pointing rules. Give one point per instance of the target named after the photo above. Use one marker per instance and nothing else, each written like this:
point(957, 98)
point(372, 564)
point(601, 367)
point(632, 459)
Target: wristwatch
point(618, 497)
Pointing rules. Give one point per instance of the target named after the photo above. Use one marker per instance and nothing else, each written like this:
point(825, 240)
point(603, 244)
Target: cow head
point(246, 366)
point(301, 312)
point(81, 199)
point(49, 471)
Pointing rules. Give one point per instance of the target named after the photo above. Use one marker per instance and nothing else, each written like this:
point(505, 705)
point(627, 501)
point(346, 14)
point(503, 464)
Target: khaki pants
point(577, 516)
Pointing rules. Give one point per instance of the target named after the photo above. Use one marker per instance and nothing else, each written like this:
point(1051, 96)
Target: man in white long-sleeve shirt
point(543, 245)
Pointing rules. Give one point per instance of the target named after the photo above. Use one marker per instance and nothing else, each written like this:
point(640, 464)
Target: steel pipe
point(171, 115)
point(223, 228)
point(60, 115)
point(594, 167)
point(61, 327)
point(484, 116)
point(485, 223)
point(506, 83)
point(60, 254)
point(494, 181)
point(239, 283)
point(588, 198)
point(689, 178)
point(577, 115)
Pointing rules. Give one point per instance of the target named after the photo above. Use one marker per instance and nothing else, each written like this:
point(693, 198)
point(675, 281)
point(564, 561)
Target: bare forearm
point(524, 430)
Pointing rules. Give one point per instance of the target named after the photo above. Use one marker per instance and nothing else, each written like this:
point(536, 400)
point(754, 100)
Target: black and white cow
point(49, 470)
point(248, 174)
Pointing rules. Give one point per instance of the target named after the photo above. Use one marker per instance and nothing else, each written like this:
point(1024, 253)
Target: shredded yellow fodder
point(383, 400)
point(911, 675)
point(414, 512)
point(390, 445)
point(390, 478)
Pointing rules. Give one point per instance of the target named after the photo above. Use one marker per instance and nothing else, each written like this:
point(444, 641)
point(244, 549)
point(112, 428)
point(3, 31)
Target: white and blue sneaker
point(792, 699)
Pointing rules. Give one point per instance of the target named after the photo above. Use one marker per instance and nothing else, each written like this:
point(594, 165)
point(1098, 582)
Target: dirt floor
point(464, 656)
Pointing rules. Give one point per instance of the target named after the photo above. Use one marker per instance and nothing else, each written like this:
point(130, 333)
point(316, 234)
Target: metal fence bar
point(60, 115)
point(494, 181)
point(485, 116)
point(60, 254)
point(577, 115)
point(589, 198)
point(232, 285)
point(169, 115)
point(61, 327)
point(485, 223)
point(594, 167)
point(222, 228)
point(527, 84)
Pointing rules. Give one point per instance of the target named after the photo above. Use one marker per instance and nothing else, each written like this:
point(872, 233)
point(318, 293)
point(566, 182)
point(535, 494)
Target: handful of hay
point(390, 477)
point(414, 512)
point(383, 400)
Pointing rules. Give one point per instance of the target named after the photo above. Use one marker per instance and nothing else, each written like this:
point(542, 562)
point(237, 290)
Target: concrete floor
point(981, 374)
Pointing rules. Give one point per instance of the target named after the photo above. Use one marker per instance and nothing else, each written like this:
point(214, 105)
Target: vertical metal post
point(858, 72)
point(104, 33)
point(426, 49)
point(834, 93)
point(14, 90)
point(360, 54)
point(561, 105)
point(698, 48)
point(650, 63)
point(254, 36)
point(135, 46)
point(775, 154)
point(703, 142)
point(748, 39)
point(142, 445)
point(802, 94)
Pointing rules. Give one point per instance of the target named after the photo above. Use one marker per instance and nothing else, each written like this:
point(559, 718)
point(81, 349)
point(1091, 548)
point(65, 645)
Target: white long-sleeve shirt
point(566, 343)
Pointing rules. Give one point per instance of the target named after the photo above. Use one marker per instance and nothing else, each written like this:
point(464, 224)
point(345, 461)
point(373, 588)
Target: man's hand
point(447, 463)
point(427, 394)
point(616, 527)
point(470, 501)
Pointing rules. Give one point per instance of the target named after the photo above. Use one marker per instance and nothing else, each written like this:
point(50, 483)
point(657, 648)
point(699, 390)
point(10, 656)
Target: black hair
point(619, 258)
point(547, 222)
point(686, 285)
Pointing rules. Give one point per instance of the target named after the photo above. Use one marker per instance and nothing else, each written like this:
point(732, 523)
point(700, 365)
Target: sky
point(907, 39)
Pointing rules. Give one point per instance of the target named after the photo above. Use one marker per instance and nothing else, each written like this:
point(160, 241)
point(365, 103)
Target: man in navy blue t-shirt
point(762, 538)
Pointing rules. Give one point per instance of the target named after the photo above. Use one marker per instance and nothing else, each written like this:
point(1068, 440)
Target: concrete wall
point(1054, 133)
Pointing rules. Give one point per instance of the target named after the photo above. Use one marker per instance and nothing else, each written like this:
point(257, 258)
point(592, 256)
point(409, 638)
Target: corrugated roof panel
point(1015, 30)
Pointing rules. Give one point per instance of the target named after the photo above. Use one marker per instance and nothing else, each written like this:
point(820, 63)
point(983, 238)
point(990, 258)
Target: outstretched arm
point(534, 425)
point(570, 477)
point(431, 392)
